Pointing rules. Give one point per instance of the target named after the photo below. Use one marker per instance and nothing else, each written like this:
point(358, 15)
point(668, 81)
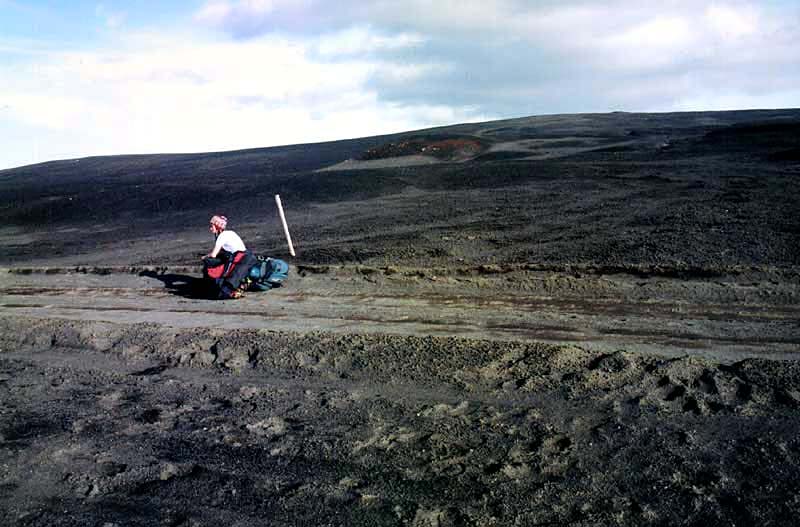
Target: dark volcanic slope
point(704, 190)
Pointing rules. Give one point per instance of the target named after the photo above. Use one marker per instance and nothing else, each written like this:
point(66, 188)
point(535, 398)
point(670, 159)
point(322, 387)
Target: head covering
point(219, 221)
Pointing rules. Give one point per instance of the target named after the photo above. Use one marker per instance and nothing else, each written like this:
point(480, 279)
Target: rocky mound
point(444, 148)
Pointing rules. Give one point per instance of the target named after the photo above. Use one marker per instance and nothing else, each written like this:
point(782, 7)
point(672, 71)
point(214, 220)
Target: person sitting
point(230, 269)
point(229, 262)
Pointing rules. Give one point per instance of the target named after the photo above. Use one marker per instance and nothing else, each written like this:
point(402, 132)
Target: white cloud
point(252, 17)
point(223, 11)
point(112, 19)
point(184, 94)
point(657, 34)
point(214, 12)
point(49, 111)
point(652, 44)
point(362, 40)
point(711, 100)
point(730, 22)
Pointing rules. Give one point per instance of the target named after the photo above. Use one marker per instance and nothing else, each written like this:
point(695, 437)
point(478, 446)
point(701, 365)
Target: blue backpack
point(268, 273)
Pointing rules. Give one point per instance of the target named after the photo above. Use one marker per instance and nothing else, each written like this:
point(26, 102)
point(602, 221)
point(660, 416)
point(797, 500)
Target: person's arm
point(217, 248)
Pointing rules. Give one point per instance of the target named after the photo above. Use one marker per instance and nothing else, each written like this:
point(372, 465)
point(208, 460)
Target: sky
point(81, 78)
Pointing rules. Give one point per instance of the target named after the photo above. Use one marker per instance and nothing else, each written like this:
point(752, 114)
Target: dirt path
point(724, 319)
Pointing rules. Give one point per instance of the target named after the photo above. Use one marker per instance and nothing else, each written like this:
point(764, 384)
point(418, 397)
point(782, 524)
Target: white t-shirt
point(229, 241)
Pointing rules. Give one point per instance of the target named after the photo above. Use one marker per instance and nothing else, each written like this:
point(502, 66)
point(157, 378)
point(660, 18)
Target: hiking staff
point(285, 227)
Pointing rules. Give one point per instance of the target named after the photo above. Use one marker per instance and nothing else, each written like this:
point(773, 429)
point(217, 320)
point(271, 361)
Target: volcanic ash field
point(560, 320)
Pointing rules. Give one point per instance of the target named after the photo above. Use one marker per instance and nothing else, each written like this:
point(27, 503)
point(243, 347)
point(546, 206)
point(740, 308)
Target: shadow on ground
point(182, 285)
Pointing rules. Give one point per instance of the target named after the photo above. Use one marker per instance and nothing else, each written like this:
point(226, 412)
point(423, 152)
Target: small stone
point(168, 472)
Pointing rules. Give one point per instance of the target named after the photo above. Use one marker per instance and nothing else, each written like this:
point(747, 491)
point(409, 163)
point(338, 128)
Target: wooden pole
point(285, 227)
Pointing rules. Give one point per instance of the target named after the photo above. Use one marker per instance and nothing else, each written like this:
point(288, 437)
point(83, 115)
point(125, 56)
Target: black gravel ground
point(110, 418)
